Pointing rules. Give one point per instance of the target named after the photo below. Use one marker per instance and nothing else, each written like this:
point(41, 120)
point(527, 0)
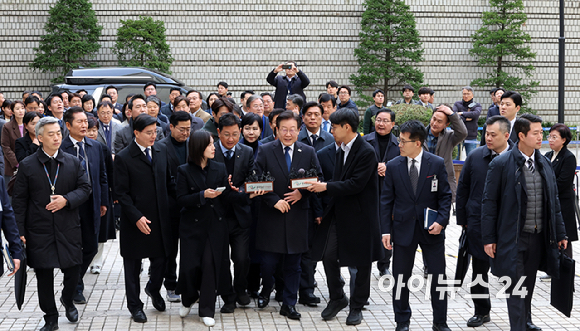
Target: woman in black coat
point(564, 165)
point(203, 192)
point(28, 144)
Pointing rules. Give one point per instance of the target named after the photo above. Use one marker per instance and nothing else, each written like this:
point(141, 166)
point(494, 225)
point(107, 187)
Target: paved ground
point(106, 307)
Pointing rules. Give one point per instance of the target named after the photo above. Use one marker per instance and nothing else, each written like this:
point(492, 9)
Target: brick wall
point(241, 42)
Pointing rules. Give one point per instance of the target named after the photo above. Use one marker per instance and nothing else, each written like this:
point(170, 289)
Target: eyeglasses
point(552, 137)
point(183, 130)
point(380, 120)
point(228, 136)
point(286, 131)
point(405, 141)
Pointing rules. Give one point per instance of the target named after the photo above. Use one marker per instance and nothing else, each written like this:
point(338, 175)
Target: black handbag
point(562, 291)
point(463, 258)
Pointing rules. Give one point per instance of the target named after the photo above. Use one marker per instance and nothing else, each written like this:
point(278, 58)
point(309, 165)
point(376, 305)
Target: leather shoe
point(263, 299)
point(243, 299)
point(478, 320)
point(309, 299)
point(228, 308)
point(441, 327)
point(403, 326)
point(531, 327)
point(354, 317)
point(290, 312)
point(334, 306)
point(72, 314)
point(79, 298)
point(139, 316)
point(49, 326)
point(156, 300)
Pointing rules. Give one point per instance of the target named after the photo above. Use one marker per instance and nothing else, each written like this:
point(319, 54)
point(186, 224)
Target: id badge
point(434, 184)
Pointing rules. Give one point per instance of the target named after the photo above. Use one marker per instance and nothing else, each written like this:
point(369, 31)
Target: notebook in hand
point(430, 216)
point(7, 257)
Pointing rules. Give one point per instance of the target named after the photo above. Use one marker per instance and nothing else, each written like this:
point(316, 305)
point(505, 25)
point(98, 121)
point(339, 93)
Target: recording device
point(286, 66)
point(220, 189)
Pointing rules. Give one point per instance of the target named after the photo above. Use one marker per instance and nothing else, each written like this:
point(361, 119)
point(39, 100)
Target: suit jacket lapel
point(404, 173)
point(296, 157)
point(351, 155)
point(136, 152)
point(280, 156)
point(424, 172)
point(375, 143)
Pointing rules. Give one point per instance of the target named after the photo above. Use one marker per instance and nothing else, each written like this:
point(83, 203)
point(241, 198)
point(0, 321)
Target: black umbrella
point(20, 280)
point(463, 259)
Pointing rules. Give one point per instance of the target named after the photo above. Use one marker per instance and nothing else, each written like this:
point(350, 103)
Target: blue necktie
point(229, 154)
point(107, 134)
point(148, 154)
point(325, 126)
point(287, 156)
point(82, 156)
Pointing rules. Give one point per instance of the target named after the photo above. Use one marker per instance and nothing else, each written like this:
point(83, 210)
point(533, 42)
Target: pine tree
point(142, 43)
point(501, 44)
point(389, 50)
point(71, 39)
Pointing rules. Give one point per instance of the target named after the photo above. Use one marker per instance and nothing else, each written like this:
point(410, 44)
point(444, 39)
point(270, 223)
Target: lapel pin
point(299, 150)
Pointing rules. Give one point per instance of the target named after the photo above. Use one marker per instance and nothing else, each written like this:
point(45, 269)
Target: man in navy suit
point(92, 159)
point(282, 230)
point(469, 200)
point(414, 181)
point(349, 234)
point(386, 148)
point(294, 82)
point(239, 162)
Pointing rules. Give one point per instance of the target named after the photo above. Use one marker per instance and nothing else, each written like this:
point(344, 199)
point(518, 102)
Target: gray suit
point(114, 127)
point(448, 139)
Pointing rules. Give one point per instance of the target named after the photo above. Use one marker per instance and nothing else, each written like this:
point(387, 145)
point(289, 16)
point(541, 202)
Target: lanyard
point(55, 177)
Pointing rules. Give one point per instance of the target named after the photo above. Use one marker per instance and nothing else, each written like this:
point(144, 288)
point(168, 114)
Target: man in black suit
point(46, 208)
point(414, 181)
point(255, 104)
point(282, 230)
point(294, 82)
point(521, 224)
point(272, 120)
point(142, 185)
point(113, 93)
point(346, 223)
point(470, 193)
point(386, 148)
point(509, 106)
point(125, 136)
point(239, 161)
point(177, 153)
point(90, 154)
point(55, 105)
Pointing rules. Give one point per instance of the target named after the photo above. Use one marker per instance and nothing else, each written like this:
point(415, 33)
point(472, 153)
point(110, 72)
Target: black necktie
point(314, 139)
point(414, 175)
point(229, 154)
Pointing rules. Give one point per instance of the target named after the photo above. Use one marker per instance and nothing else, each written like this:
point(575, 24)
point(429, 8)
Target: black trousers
point(207, 292)
point(403, 262)
point(362, 284)
point(385, 262)
point(480, 269)
point(240, 255)
point(45, 286)
point(132, 268)
point(170, 281)
point(291, 267)
point(531, 249)
point(306, 264)
point(90, 240)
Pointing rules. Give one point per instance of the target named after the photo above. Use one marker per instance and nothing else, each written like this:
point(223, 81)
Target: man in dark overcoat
point(50, 187)
point(521, 224)
point(142, 185)
point(90, 153)
point(282, 229)
point(469, 197)
point(349, 234)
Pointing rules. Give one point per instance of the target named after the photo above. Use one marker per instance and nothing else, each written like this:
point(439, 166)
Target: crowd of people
point(170, 177)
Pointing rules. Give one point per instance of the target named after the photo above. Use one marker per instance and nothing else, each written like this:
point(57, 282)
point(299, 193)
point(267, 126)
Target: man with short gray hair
point(469, 112)
point(295, 103)
point(46, 206)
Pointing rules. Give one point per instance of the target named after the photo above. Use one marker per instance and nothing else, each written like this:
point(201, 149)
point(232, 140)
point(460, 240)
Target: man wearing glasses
point(413, 182)
point(386, 148)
